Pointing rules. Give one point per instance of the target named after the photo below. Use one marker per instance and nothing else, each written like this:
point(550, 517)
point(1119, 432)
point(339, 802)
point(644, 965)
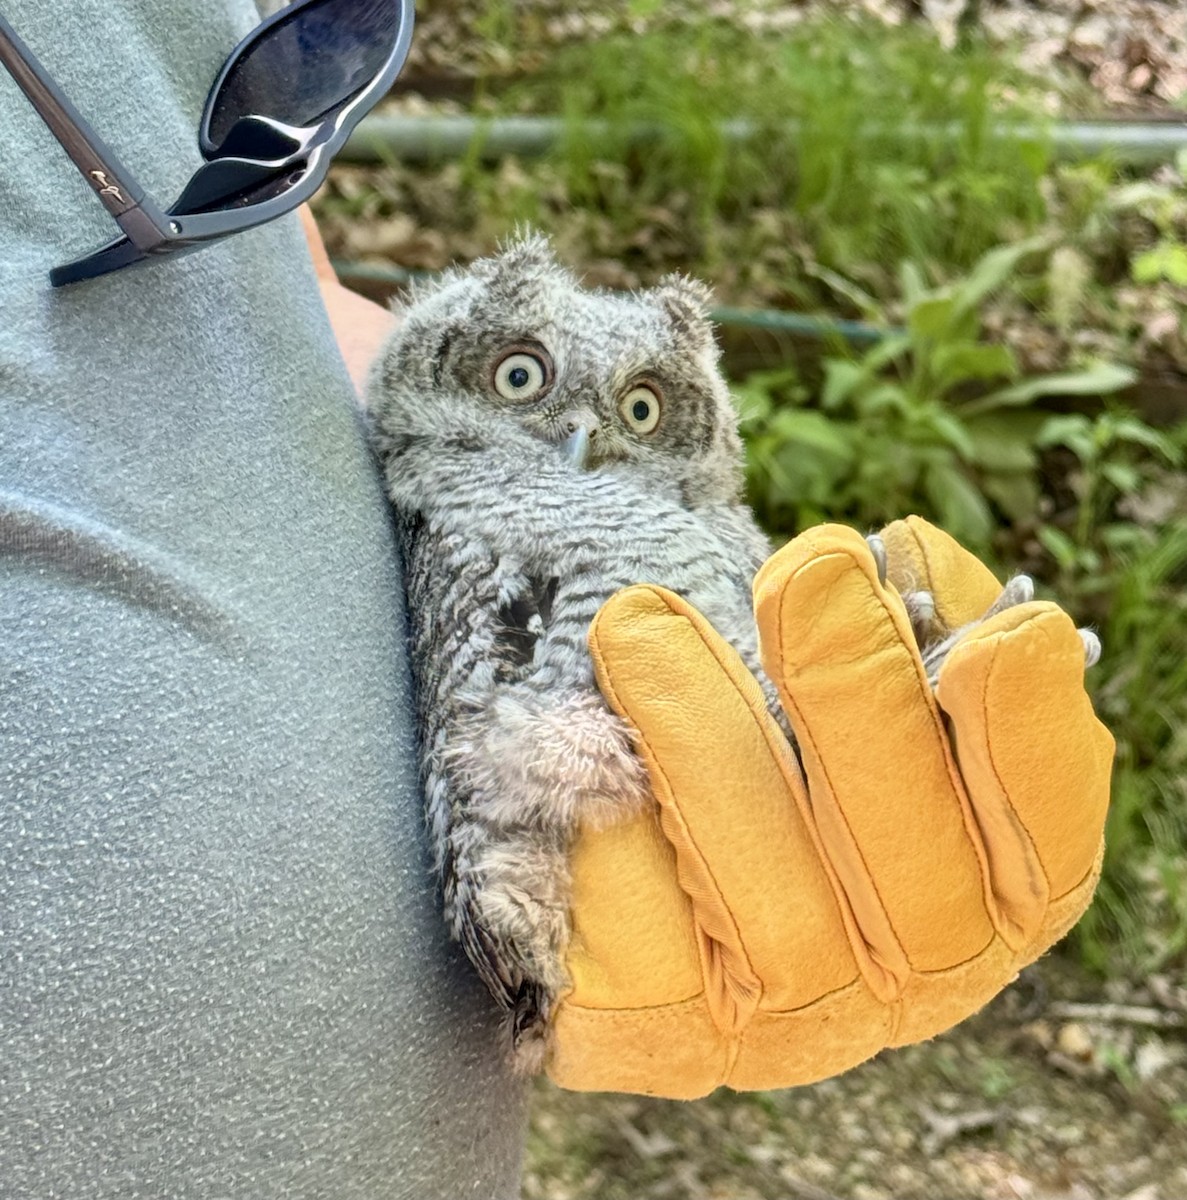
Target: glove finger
point(731, 805)
point(922, 558)
point(885, 795)
point(630, 945)
point(1035, 759)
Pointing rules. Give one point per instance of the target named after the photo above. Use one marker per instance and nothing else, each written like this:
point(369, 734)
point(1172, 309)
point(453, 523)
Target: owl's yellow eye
point(640, 409)
point(521, 376)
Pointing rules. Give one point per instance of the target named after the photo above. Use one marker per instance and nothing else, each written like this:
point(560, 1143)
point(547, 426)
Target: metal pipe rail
point(381, 137)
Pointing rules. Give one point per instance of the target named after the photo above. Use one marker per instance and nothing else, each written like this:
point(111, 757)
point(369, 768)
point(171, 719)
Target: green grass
point(883, 144)
point(1139, 918)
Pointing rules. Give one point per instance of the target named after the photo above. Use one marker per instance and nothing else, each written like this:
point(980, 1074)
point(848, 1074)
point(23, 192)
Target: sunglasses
point(281, 108)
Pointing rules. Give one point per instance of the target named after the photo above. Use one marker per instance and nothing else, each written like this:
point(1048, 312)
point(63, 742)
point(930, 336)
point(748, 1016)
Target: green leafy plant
point(1118, 547)
point(1139, 918)
point(934, 419)
point(1110, 450)
point(1162, 202)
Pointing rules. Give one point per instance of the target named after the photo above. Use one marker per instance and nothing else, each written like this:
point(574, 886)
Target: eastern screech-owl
point(545, 446)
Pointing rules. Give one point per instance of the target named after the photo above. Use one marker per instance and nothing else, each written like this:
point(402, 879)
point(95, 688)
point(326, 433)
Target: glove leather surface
point(769, 924)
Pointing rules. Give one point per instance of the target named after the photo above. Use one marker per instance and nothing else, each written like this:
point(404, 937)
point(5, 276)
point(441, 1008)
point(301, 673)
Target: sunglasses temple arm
point(135, 212)
point(114, 256)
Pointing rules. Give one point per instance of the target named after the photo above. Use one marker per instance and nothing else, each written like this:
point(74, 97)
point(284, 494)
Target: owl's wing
point(475, 618)
point(502, 979)
point(522, 620)
point(506, 976)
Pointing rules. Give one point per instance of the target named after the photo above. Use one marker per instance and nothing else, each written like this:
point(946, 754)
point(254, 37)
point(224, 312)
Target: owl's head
point(611, 381)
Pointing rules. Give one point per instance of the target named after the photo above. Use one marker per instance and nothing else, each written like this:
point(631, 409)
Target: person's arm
point(360, 325)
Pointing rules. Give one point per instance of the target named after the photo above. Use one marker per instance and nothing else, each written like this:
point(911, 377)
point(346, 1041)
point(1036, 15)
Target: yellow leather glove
point(767, 926)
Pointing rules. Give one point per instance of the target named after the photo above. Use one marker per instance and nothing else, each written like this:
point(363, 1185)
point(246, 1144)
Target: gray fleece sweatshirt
point(223, 974)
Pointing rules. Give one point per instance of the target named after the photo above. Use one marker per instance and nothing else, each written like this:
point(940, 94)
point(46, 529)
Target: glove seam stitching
point(675, 808)
point(857, 981)
point(1032, 851)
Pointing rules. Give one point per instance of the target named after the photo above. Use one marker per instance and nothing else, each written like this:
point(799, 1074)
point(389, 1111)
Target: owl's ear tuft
point(525, 256)
point(427, 325)
point(427, 296)
point(686, 303)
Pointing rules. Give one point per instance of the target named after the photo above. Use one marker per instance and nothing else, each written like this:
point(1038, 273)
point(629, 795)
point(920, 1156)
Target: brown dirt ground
point(1023, 1102)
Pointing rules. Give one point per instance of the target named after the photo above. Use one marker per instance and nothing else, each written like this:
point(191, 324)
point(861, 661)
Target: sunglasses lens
point(305, 66)
point(228, 183)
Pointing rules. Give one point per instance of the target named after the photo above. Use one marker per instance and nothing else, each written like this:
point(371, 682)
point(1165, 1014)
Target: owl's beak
point(583, 428)
point(576, 447)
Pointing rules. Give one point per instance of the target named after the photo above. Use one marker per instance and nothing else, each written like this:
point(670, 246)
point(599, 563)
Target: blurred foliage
point(935, 416)
point(1164, 206)
point(1118, 558)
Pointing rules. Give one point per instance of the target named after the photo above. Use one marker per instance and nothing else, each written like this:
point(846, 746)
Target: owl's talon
point(925, 607)
point(1018, 590)
point(878, 550)
point(1092, 647)
point(921, 612)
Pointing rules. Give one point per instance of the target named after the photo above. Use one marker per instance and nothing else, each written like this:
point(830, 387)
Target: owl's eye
point(640, 409)
point(520, 375)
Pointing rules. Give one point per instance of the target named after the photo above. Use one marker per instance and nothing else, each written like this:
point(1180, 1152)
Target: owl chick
point(545, 446)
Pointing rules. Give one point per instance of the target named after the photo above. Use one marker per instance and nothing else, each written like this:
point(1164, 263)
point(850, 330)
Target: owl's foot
point(526, 1030)
point(935, 645)
point(936, 641)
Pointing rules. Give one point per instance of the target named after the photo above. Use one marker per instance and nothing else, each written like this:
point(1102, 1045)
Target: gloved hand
point(769, 925)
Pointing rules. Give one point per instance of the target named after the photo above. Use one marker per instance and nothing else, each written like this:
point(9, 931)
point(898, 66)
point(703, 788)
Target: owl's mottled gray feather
point(511, 549)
